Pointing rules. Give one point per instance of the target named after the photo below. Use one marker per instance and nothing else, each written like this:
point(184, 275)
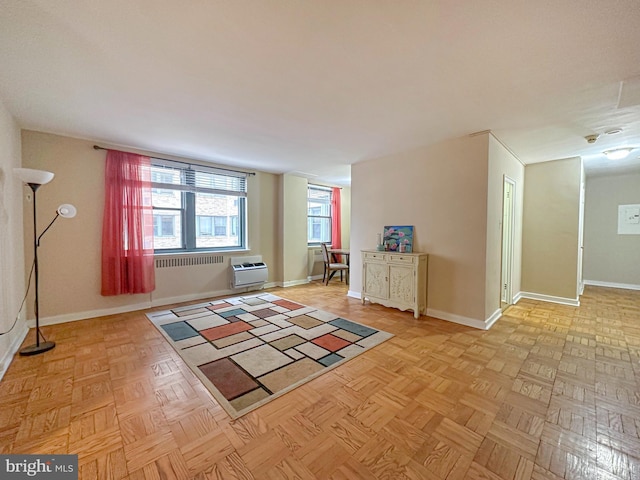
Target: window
point(220, 226)
point(318, 214)
point(204, 226)
point(163, 225)
point(207, 226)
point(197, 207)
point(162, 177)
point(234, 225)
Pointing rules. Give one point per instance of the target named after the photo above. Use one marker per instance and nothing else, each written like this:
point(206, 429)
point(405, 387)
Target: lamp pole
point(36, 178)
point(46, 345)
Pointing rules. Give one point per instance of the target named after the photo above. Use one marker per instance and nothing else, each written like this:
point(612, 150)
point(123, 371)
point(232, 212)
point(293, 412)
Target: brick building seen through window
point(189, 217)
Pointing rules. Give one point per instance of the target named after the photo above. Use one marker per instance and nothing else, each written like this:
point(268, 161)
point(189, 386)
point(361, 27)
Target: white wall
point(442, 191)
point(501, 163)
point(70, 253)
point(551, 230)
point(12, 255)
point(609, 258)
point(293, 236)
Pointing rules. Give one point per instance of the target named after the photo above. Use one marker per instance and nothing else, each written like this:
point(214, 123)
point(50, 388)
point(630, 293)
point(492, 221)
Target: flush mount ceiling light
point(613, 131)
point(618, 153)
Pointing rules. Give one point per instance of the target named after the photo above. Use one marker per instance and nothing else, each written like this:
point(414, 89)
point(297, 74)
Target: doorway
point(581, 238)
point(508, 215)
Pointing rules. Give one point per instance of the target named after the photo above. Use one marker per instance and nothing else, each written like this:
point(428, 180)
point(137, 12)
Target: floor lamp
point(35, 179)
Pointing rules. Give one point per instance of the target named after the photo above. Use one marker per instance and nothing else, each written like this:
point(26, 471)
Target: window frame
point(221, 184)
point(329, 190)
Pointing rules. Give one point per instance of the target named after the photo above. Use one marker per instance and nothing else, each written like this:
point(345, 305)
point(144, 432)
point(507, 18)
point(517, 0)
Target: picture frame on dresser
point(398, 238)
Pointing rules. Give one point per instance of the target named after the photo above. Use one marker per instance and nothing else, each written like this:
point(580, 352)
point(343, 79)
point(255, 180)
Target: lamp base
point(35, 349)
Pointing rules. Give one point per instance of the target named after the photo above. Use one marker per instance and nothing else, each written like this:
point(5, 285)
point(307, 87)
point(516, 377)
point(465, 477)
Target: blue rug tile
point(330, 359)
point(353, 327)
point(179, 330)
point(231, 313)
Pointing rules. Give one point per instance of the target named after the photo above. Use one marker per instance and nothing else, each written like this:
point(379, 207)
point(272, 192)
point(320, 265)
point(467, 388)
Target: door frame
point(507, 222)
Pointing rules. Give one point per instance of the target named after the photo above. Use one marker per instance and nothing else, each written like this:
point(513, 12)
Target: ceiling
point(315, 86)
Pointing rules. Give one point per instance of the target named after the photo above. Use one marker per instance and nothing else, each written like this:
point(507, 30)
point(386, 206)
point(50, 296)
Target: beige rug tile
point(232, 339)
point(290, 374)
point(351, 337)
point(261, 360)
point(312, 350)
point(208, 321)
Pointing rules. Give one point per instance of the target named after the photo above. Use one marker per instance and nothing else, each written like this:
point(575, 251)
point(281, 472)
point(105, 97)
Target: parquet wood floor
point(549, 392)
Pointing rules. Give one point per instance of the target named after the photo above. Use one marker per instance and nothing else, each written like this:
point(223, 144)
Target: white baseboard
point(217, 293)
point(450, 317)
point(493, 318)
point(354, 294)
point(7, 358)
point(467, 321)
point(157, 302)
point(293, 283)
point(574, 302)
point(626, 286)
point(74, 317)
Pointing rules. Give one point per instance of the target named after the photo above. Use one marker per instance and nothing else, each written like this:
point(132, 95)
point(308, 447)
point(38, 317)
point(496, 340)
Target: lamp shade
point(67, 210)
point(31, 176)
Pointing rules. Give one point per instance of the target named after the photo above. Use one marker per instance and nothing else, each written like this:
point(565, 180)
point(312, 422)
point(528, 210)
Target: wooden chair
point(331, 268)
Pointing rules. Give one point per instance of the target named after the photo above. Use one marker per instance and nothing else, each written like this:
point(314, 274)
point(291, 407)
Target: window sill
point(201, 252)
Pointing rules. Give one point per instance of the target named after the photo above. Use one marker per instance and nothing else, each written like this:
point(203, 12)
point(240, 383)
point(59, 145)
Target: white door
point(581, 238)
point(508, 211)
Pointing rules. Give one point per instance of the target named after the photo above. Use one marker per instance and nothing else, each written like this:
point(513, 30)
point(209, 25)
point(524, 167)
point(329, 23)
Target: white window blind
point(198, 178)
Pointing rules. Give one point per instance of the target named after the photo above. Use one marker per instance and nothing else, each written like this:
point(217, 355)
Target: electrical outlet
point(29, 196)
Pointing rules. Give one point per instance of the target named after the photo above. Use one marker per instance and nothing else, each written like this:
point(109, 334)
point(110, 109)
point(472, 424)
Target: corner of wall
point(12, 254)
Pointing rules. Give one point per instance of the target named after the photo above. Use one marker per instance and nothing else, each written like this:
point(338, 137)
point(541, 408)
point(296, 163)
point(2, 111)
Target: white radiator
point(248, 271)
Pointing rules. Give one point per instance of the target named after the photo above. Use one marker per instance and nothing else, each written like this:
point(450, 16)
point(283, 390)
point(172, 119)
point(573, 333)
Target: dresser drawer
point(401, 258)
point(379, 256)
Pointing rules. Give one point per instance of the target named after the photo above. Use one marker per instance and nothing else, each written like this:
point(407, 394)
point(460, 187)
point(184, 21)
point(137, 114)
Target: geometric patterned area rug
point(249, 350)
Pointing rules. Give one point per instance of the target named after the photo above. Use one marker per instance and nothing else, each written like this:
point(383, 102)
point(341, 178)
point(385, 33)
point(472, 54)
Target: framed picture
point(394, 236)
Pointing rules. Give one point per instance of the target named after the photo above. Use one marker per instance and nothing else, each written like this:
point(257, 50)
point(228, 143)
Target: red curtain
point(127, 225)
point(336, 221)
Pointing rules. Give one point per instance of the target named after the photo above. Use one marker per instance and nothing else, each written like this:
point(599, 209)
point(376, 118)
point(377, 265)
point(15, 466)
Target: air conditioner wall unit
point(248, 271)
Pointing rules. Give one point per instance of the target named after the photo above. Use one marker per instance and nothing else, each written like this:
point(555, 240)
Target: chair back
point(325, 253)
